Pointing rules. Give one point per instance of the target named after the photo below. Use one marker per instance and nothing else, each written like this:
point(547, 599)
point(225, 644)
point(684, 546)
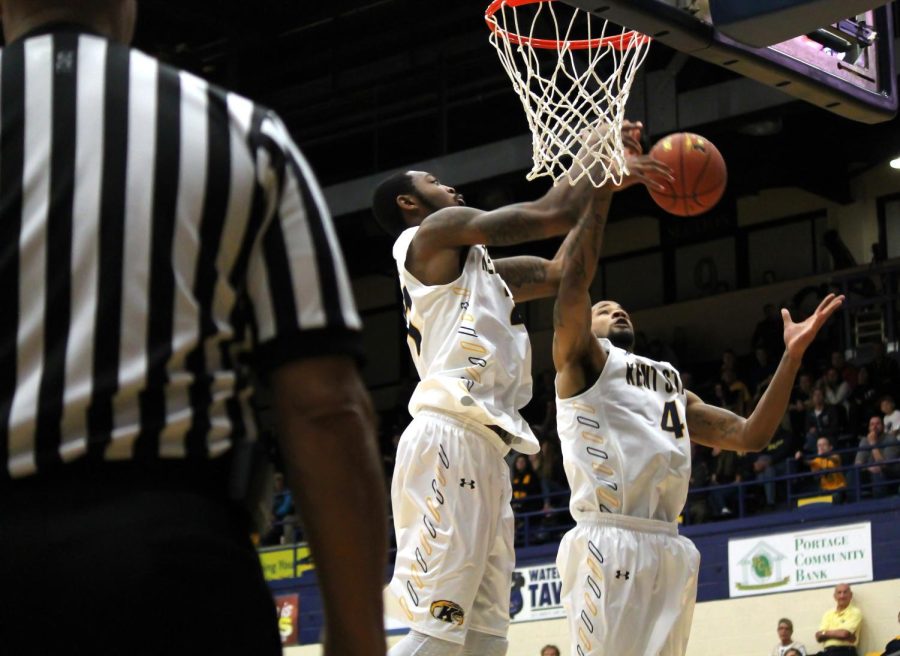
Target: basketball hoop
point(573, 80)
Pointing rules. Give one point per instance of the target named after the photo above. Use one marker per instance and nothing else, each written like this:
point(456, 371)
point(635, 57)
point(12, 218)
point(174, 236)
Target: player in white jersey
point(629, 579)
point(451, 488)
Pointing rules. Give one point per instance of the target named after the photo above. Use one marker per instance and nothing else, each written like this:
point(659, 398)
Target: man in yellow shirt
point(839, 630)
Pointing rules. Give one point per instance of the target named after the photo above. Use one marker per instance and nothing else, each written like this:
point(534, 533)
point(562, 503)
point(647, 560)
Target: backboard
point(846, 68)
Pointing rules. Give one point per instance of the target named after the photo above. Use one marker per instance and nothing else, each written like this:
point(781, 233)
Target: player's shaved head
point(111, 18)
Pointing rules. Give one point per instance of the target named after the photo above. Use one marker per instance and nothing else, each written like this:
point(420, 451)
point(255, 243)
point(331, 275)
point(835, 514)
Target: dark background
point(366, 87)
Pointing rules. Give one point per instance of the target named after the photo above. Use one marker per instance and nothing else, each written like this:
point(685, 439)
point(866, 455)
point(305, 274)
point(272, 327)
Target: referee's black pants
point(128, 559)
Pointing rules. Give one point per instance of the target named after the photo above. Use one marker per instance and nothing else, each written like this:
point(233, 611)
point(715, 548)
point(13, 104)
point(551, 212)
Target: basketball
point(699, 170)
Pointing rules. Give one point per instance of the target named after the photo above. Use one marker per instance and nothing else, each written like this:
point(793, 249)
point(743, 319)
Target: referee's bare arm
point(327, 439)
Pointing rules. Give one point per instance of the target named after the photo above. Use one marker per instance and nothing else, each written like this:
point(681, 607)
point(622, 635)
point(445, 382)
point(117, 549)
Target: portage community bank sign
point(800, 560)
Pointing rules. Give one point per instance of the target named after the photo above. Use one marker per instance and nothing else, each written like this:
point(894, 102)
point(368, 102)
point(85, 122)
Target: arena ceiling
point(367, 86)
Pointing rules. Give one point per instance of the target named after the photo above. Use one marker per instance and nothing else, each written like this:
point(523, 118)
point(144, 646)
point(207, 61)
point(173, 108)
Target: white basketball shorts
point(629, 587)
point(454, 525)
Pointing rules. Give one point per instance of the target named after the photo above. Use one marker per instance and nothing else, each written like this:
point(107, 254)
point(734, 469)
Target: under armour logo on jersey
point(463, 482)
point(623, 575)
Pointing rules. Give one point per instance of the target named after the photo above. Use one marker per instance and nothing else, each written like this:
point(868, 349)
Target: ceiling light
point(895, 163)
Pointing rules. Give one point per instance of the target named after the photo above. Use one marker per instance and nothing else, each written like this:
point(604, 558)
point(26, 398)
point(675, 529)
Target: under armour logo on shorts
point(623, 575)
point(463, 482)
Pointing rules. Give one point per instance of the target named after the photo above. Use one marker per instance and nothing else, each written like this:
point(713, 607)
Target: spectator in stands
point(769, 333)
point(551, 474)
point(839, 630)
point(826, 461)
point(801, 402)
point(848, 372)
point(526, 488)
point(698, 502)
point(281, 530)
point(863, 401)
point(549, 650)
point(722, 396)
point(761, 373)
point(884, 371)
point(835, 387)
point(821, 421)
point(728, 468)
point(891, 416)
point(874, 448)
point(786, 642)
point(740, 394)
point(729, 362)
point(893, 647)
point(773, 461)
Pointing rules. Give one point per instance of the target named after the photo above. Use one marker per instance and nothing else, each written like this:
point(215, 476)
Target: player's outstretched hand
point(798, 336)
point(631, 137)
point(643, 169)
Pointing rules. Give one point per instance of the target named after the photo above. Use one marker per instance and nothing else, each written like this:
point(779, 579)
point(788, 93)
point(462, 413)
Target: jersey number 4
point(671, 420)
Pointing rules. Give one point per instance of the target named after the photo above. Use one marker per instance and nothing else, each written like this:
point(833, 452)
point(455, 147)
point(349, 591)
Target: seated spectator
point(831, 481)
point(836, 388)
point(729, 362)
point(774, 461)
point(821, 421)
point(863, 402)
point(741, 395)
point(698, 509)
point(724, 397)
point(551, 474)
point(281, 530)
point(728, 468)
point(786, 642)
point(884, 372)
point(769, 333)
point(891, 416)
point(526, 488)
point(893, 647)
point(874, 448)
point(801, 402)
point(761, 373)
point(848, 372)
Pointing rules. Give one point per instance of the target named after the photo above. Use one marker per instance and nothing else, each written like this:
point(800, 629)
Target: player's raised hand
point(798, 336)
point(643, 169)
point(631, 137)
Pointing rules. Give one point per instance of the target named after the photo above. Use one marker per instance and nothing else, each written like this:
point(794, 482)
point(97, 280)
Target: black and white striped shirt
point(151, 225)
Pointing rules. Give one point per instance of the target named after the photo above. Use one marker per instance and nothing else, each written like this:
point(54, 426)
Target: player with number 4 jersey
point(451, 488)
point(625, 423)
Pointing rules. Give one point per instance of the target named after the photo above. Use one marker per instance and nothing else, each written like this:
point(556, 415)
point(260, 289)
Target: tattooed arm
point(529, 277)
point(576, 354)
point(713, 426)
point(433, 256)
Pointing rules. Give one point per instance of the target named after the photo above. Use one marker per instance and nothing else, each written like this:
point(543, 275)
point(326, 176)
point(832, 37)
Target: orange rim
point(619, 42)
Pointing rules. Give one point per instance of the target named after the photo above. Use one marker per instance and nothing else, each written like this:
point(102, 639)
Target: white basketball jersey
point(625, 441)
point(470, 349)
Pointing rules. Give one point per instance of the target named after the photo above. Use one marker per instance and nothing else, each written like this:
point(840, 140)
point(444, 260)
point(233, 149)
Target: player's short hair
point(546, 647)
point(384, 202)
point(785, 620)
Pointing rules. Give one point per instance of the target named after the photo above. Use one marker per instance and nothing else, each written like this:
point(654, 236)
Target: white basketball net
point(574, 97)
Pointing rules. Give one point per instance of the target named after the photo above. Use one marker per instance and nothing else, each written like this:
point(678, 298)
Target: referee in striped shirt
point(151, 226)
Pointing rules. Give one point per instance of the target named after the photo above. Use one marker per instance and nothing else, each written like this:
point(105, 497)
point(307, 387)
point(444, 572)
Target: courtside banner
point(287, 609)
point(800, 560)
point(536, 594)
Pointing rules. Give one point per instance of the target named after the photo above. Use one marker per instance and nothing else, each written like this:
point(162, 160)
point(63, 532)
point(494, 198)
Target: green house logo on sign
point(761, 568)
